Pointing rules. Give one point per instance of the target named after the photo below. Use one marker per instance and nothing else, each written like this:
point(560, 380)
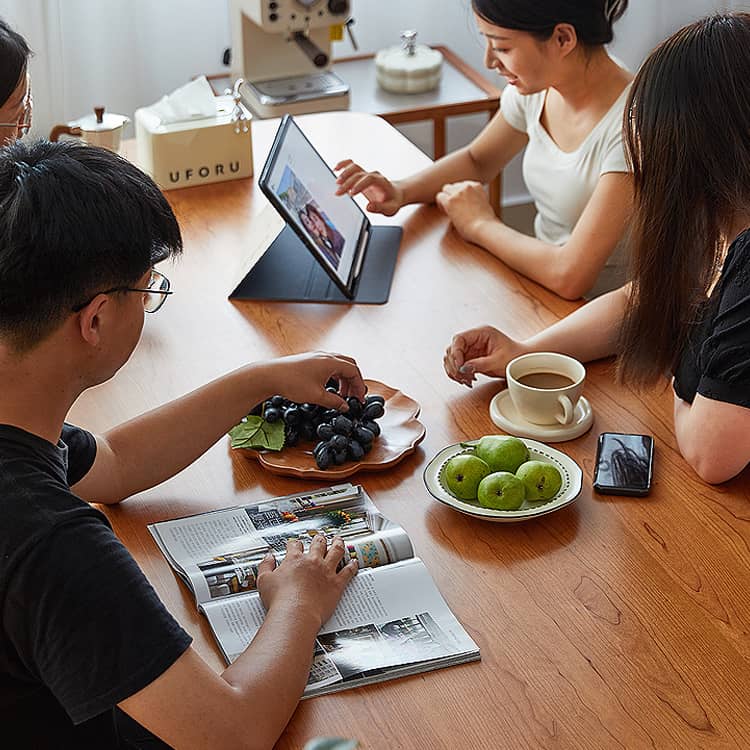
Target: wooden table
point(613, 623)
point(462, 91)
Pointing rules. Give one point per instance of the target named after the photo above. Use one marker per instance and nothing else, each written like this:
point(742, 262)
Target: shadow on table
point(247, 473)
point(482, 541)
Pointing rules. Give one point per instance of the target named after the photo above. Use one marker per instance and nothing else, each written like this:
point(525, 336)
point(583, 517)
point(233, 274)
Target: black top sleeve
point(716, 361)
point(81, 452)
point(94, 631)
point(726, 351)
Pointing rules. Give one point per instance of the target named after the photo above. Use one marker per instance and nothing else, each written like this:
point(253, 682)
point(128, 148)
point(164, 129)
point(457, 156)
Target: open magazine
point(391, 621)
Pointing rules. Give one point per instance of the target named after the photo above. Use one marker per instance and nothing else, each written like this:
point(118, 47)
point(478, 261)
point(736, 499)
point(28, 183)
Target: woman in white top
point(564, 102)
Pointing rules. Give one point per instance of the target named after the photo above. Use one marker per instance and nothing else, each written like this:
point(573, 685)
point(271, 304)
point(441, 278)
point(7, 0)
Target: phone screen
point(624, 463)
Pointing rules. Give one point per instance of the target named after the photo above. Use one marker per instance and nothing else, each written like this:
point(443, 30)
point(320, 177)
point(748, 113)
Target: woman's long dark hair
point(687, 134)
point(14, 57)
point(592, 19)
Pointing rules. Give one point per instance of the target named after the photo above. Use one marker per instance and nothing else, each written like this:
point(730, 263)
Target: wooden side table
point(462, 91)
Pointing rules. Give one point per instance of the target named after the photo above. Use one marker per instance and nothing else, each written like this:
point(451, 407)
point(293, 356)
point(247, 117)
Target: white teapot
point(97, 129)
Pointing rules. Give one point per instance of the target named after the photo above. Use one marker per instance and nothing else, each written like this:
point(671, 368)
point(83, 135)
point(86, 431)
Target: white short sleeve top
point(561, 183)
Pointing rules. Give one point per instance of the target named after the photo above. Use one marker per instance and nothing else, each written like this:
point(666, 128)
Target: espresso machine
point(282, 51)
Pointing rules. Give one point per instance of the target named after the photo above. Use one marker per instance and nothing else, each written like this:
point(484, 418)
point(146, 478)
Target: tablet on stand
point(328, 251)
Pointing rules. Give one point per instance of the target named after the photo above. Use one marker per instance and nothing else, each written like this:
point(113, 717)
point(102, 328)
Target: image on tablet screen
point(312, 219)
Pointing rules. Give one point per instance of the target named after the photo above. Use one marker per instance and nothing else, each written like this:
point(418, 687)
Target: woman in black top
point(686, 312)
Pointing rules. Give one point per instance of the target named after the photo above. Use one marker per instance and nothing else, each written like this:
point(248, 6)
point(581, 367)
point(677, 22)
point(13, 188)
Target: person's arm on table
point(569, 270)
point(143, 452)
point(587, 334)
point(482, 160)
point(713, 437)
point(249, 704)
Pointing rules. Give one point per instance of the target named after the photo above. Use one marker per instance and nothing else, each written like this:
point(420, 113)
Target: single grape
point(342, 425)
point(324, 431)
point(373, 411)
point(291, 438)
point(372, 426)
point(272, 415)
point(292, 415)
point(277, 401)
point(374, 398)
point(355, 450)
point(363, 435)
point(339, 442)
point(324, 458)
point(355, 407)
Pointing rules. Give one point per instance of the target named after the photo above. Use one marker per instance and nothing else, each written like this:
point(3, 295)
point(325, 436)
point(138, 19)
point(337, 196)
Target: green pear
point(501, 490)
point(463, 473)
point(502, 453)
point(541, 480)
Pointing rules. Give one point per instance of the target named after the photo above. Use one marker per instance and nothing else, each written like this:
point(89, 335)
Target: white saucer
point(503, 413)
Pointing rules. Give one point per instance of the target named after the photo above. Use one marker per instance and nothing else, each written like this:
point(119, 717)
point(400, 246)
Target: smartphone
point(624, 464)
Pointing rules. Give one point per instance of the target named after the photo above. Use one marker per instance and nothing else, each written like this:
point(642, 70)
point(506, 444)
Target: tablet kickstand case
point(288, 272)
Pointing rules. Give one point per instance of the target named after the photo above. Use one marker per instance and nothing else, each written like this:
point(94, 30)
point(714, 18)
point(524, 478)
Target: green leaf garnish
point(254, 432)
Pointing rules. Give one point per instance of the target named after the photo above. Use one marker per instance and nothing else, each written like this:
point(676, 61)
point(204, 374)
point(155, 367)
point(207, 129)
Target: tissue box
point(194, 152)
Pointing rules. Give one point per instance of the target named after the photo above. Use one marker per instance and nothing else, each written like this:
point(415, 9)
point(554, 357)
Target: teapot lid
point(100, 121)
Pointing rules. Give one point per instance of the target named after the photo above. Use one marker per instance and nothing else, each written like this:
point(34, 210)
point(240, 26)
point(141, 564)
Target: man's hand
point(307, 583)
point(480, 350)
point(467, 206)
point(302, 378)
point(384, 196)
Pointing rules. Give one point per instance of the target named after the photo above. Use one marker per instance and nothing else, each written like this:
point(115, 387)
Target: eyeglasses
point(23, 124)
point(154, 295)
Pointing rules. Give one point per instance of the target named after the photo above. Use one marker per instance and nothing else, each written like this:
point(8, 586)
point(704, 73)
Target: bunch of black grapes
point(341, 436)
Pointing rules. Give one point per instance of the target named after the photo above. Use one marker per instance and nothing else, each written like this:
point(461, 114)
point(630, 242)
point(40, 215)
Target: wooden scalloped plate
point(400, 433)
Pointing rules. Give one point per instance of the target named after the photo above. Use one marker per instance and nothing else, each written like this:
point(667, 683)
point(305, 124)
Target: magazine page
point(237, 572)
point(391, 617)
point(220, 552)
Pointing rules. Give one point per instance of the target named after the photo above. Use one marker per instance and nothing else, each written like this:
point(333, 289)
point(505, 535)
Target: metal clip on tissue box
point(196, 152)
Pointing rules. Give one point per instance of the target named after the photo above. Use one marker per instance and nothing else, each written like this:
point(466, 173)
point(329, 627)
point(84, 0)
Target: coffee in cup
point(545, 387)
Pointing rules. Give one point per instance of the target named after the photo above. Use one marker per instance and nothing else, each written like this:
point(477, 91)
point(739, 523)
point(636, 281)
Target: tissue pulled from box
point(192, 101)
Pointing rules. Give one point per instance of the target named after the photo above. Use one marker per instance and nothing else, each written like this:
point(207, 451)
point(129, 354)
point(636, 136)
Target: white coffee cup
point(545, 387)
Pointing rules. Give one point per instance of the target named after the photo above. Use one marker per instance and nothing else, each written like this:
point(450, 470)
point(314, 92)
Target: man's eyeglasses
point(154, 295)
point(23, 124)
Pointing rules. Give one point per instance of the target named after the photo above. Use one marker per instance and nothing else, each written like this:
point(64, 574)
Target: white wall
point(127, 53)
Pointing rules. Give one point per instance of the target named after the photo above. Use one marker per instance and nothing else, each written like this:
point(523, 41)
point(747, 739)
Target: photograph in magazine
point(231, 565)
point(368, 537)
point(310, 217)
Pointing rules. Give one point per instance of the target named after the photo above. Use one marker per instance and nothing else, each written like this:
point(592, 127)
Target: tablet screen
point(304, 189)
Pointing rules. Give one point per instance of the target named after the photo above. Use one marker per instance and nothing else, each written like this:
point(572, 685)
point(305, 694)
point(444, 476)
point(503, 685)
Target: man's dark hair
point(14, 58)
point(592, 19)
point(74, 220)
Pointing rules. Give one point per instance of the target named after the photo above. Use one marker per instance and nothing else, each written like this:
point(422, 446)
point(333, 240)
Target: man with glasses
point(84, 640)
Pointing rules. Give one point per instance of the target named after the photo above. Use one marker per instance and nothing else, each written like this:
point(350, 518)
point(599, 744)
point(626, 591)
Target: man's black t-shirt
point(81, 629)
point(716, 361)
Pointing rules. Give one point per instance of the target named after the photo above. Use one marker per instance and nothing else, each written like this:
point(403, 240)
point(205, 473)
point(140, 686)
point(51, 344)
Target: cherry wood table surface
point(613, 623)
